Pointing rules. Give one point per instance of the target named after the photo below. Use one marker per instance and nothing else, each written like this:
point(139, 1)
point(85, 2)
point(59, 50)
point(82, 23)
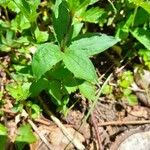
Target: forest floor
point(112, 119)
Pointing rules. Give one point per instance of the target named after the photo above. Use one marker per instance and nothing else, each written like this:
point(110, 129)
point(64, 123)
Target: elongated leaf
point(124, 28)
point(93, 1)
point(78, 4)
point(80, 65)
point(92, 15)
point(28, 8)
point(76, 29)
point(61, 20)
point(146, 6)
point(143, 4)
point(45, 58)
point(24, 7)
point(143, 36)
point(91, 44)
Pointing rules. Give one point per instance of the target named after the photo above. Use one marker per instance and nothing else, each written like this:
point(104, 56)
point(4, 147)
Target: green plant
point(65, 66)
point(58, 32)
point(145, 55)
point(125, 82)
point(108, 89)
point(24, 136)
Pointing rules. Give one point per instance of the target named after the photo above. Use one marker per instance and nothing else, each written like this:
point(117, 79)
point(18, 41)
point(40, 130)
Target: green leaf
point(3, 130)
point(61, 73)
point(25, 134)
point(17, 91)
point(20, 145)
point(46, 56)
point(13, 7)
point(93, 1)
point(107, 89)
point(143, 36)
point(124, 28)
point(70, 83)
point(58, 72)
point(143, 4)
point(80, 65)
point(126, 79)
point(38, 86)
point(78, 4)
point(61, 20)
point(141, 17)
point(20, 23)
point(3, 137)
point(92, 15)
point(88, 90)
point(145, 54)
point(91, 44)
point(76, 29)
point(36, 111)
point(28, 8)
point(146, 6)
point(41, 36)
point(132, 99)
point(127, 91)
point(24, 7)
point(57, 91)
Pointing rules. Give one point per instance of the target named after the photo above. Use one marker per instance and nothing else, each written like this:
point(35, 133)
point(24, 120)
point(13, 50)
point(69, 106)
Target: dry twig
point(118, 123)
point(94, 122)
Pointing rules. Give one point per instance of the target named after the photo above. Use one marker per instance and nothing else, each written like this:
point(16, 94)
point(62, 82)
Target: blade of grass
point(97, 98)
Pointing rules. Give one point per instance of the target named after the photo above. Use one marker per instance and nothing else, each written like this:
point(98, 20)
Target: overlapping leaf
point(88, 90)
point(91, 44)
point(80, 65)
point(92, 15)
point(61, 20)
point(45, 58)
point(143, 36)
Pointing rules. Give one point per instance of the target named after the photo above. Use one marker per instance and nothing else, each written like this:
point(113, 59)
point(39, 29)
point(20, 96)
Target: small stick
point(118, 123)
point(8, 111)
point(94, 122)
point(41, 121)
point(40, 135)
point(36, 120)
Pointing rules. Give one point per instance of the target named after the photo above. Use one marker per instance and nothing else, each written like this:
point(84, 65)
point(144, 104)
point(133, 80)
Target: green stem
point(114, 8)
